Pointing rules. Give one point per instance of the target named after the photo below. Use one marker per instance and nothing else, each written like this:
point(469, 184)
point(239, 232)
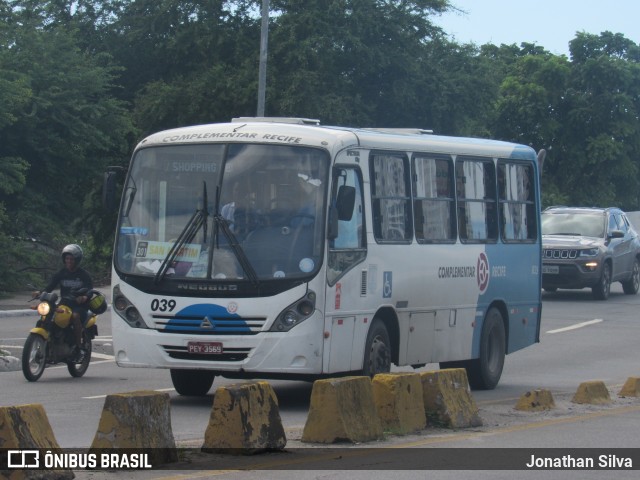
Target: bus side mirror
point(345, 202)
point(109, 191)
point(342, 210)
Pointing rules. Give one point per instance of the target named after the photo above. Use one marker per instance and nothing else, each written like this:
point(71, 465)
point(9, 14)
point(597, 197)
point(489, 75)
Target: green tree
point(67, 131)
point(584, 112)
point(15, 95)
point(531, 109)
point(193, 62)
point(603, 121)
point(351, 61)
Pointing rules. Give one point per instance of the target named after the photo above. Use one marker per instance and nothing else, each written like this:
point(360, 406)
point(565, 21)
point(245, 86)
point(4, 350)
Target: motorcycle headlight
point(44, 308)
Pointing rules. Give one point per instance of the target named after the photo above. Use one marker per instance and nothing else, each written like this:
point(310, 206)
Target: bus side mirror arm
point(332, 232)
point(542, 154)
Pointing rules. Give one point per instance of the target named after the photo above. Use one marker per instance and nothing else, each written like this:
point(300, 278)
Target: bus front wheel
point(192, 383)
point(377, 353)
point(484, 372)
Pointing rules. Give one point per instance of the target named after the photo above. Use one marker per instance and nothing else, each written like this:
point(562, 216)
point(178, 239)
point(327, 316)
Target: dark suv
point(589, 247)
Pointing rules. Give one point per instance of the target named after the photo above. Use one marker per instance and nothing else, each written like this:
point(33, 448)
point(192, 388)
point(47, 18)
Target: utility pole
point(262, 71)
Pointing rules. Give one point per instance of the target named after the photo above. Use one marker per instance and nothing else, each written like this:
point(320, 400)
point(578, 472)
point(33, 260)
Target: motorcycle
point(52, 340)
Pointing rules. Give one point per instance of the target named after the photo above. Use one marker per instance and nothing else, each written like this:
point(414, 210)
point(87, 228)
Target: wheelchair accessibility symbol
point(387, 284)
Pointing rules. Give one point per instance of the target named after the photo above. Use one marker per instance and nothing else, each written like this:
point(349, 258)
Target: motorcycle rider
point(70, 278)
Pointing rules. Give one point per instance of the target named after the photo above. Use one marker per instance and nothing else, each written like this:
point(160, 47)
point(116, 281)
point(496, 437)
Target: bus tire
point(192, 383)
point(484, 372)
point(377, 353)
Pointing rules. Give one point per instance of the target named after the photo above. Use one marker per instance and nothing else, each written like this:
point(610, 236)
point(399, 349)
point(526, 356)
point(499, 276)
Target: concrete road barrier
point(138, 420)
point(447, 399)
point(342, 410)
point(245, 419)
point(536, 401)
point(593, 393)
point(27, 427)
point(631, 388)
point(398, 400)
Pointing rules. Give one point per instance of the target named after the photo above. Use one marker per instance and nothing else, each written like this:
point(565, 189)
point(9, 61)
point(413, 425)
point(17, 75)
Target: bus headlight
point(289, 319)
point(295, 313)
point(126, 310)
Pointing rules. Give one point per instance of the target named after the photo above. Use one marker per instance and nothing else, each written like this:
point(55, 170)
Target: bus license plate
point(205, 348)
point(551, 269)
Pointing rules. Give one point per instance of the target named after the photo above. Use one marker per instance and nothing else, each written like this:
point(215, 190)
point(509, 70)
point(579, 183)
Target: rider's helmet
point(74, 250)
point(98, 304)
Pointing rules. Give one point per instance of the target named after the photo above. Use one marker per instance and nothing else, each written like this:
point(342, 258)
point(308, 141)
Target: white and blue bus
point(280, 248)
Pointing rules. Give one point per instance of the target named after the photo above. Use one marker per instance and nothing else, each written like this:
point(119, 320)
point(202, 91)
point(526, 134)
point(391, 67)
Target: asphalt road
point(582, 340)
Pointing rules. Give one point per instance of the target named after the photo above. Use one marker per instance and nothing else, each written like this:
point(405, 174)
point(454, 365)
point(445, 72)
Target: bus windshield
point(223, 212)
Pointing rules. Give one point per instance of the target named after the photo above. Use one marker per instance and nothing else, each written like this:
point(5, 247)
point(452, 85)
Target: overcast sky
point(547, 23)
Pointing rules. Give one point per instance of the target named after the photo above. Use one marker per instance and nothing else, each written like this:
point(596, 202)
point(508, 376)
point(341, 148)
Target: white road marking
point(577, 325)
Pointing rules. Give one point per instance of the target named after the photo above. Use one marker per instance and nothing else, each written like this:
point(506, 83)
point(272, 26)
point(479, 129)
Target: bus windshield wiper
point(132, 193)
point(197, 220)
point(237, 249)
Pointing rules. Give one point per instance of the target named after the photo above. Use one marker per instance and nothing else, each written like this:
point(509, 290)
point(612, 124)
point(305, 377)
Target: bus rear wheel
point(377, 353)
point(484, 373)
point(192, 383)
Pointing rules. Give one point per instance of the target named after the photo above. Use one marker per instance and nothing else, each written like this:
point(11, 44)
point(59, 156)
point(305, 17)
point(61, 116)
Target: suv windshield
point(223, 212)
point(579, 224)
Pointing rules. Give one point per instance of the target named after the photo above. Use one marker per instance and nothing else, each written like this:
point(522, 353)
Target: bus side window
point(434, 203)
point(517, 202)
point(476, 192)
point(391, 198)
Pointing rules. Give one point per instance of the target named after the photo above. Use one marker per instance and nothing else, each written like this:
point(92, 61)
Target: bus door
point(346, 249)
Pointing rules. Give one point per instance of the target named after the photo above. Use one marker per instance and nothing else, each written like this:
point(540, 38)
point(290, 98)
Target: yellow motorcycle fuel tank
point(62, 317)
point(92, 321)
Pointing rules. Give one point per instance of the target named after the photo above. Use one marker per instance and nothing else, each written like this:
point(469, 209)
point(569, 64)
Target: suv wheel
point(602, 289)
point(631, 286)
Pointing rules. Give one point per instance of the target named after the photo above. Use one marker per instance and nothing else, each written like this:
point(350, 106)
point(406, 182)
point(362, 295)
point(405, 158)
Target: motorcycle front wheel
point(79, 369)
point(34, 357)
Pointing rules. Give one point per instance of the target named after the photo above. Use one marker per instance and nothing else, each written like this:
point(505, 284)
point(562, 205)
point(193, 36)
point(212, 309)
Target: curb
point(17, 313)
